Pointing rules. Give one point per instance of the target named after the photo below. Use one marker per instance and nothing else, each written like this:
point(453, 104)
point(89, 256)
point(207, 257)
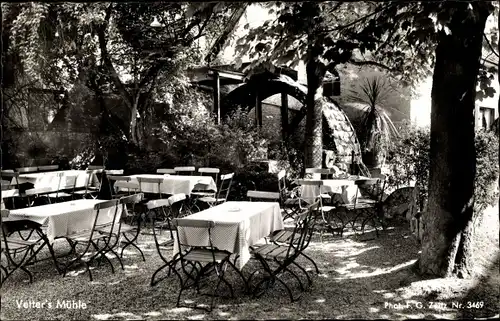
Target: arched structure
point(338, 133)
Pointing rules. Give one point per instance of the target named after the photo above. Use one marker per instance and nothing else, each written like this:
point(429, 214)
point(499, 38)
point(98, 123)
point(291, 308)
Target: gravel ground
point(360, 278)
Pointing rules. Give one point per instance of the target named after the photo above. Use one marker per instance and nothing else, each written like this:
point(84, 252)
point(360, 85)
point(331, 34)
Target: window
point(487, 117)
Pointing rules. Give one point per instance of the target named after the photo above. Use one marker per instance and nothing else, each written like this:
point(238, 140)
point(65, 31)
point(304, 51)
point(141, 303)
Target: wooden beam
point(284, 116)
point(227, 74)
point(216, 91)
point(258, 110)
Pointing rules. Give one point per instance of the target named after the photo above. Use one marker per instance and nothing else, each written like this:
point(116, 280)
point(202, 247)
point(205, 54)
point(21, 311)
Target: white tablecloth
point(238, 225)
point(345, 186)
point(50, 179)
point(64, 218)
point(173, 184)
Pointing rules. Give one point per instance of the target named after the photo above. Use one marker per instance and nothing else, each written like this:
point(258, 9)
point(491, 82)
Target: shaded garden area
point(268, 132)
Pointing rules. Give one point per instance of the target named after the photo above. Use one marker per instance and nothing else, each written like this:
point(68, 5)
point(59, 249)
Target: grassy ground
point(369, 279)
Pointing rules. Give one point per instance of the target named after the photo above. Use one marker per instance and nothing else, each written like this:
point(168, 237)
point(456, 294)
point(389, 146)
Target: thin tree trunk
point(314, 118)
point(447, 231)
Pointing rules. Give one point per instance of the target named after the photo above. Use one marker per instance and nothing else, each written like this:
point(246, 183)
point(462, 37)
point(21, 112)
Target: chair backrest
point(4, 213)
point(95, 167)
point(119, 178)
point(165, 171)
point(303, 230)
point(225, 186)
point(114, 171)
point(199, 227)
point(310, 199)
point(325, 172)
point(150, 180)
point(282, 180)
point(374, 186)
point(132, 199)
point(100, 209)
point(27, 169)
point(184, 169)
point(48, 168)
point(262, 195)
point(5, 184)
point(12, 175)
point(212, 171)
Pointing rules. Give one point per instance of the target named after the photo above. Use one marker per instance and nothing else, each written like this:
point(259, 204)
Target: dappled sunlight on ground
point(367, 279)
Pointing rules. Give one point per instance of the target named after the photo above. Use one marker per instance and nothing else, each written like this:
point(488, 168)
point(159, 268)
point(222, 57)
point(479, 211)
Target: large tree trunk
point(314, 129)
point(447, 222)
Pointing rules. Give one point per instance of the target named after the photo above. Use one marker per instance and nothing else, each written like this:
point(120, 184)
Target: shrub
point(409, 162)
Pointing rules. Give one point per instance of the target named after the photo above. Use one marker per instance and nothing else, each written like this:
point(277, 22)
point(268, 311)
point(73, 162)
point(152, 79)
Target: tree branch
point(489, 45)
point(107, 60)
point(339, 28)
point(371, 63)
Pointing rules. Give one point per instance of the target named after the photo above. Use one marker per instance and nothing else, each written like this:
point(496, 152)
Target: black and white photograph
point(212, 160)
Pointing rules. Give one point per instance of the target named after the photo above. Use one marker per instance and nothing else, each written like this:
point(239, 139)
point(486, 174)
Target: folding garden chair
point(123, 228)
point(367, 209)
point(165, 171)
point(222, 193)
point(283, 256)
point(65, 186)
point(34, 195)
point(122, 182)
point(161, 213)
point(13, 177)
point(330, 220)
point(201, 258)
point(89, 190)
point(90, 239)
point(290, 205)
point(11, 247)
point(198, 190)
point(155, 182)
point(184, 170)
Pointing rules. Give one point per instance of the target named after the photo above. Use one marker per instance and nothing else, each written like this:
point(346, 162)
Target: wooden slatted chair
point(166, 171)
point(290, 205)
point(34, 195)
point(201, 258)
point(368, 209)
point(285, 255)
point(13, 248)
point(184, 170)
point(222, 193)
point(125, 227)
point(117, 183)
point(13, 177)
point(90, 239)
point(161, 213)
point(329, 220)
point(65, 186)
point(200, 190)
point(151, 180)
point(114, 171)
point(90, 190)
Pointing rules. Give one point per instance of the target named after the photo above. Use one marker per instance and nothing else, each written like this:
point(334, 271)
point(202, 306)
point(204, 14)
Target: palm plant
point(374, 128)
